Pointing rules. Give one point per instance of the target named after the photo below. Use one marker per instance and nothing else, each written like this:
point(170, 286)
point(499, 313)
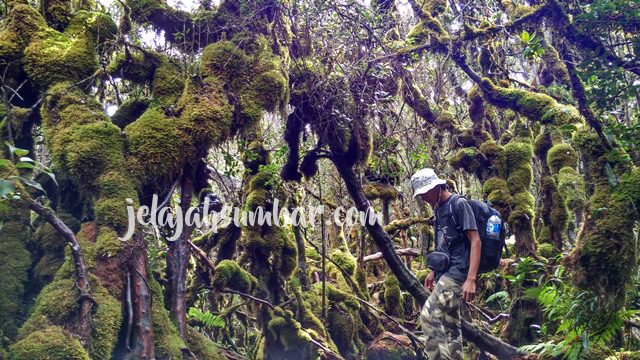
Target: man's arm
point(469, 287)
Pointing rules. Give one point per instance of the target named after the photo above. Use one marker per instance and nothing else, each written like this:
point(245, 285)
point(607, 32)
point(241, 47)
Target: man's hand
point(469, 290)
point(428, 282)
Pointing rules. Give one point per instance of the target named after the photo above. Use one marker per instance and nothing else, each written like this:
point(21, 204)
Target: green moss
point(518, 154)
point(427, 29)
point(496, 154)
point(494, 184)
point(571, 185)
point(22, 23)
point(468, 159)
point(535, 106)
point(393, 301)
point(227, 61)
point(345, 260)
point(15, 262)
point(288, 256)
point(155, 148)
point(341, 327)
point(271, 89)
point(545, 250)
point(230, 275)
point(168, 82)
point(166, 338)
point(201, 346)
point(361, 280)
point(139, 68)
point(54, 57)
point(57, 13)
point(50, 343)
point(107, 319)
point(312, 253)
point(55, 305)
point(560, 156)
point(374, 190)
point(207, 116)
point(287, 331)
point(99, 27)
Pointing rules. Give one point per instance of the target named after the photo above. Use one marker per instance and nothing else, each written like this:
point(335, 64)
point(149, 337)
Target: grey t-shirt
point(459, 246)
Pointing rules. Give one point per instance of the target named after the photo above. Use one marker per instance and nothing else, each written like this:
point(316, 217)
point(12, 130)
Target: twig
point(265, 302)
point(405, 330)
point(402, 252)
point(202, 256)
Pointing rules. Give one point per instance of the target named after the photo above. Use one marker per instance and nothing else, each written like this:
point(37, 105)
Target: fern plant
point(208, 319)
point(584, 319)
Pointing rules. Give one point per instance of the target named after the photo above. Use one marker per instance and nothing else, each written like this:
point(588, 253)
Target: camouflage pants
point(440, 320)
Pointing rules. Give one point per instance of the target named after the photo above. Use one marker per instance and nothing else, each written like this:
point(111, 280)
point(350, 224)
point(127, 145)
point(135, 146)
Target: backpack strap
point(455, 199)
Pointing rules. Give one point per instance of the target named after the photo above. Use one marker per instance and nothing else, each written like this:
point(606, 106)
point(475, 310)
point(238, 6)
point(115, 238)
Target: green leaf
point(25, 165)
point(525, 37)
point(4, 162)
point(15, 150)
point(6, 187)
point(29, 182)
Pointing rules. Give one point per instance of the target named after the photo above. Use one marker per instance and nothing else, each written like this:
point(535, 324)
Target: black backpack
point(491, 249)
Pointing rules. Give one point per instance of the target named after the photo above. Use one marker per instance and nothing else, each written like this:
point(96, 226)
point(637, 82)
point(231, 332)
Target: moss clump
point(52, 343)
point(545, 250)
point(107, 319)
point(374, 190)
point(201, 346)
point(345, 260)
point(313, 254)
point(54, 57)
point(22, 23)
point(155, 148)
point(57, 13)
point(393, 301)
point(518, 154)
point(469, 159)
point(230, 275)
point(494, 184)
point(560, 156)
point(496, 154)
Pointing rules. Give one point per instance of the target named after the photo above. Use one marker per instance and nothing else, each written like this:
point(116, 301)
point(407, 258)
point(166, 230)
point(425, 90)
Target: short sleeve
point(465, 215)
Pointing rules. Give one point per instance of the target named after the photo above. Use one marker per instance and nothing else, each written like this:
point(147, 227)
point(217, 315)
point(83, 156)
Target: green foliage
point(208, 319)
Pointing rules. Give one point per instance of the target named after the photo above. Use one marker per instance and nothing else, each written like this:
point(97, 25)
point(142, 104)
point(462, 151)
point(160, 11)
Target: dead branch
point(402, 252)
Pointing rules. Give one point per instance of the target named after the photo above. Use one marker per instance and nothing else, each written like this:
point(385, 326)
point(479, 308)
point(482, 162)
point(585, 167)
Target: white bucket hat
point(425, 180)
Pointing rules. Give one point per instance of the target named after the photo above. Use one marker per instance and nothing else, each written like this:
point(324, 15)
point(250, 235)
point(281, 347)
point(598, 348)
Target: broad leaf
point(6, 187)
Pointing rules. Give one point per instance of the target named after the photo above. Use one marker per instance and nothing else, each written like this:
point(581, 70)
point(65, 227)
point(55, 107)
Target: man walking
point(456, 280)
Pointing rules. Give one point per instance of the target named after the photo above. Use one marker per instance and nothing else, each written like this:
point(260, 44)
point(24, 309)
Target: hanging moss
point(361, 280)
point(560, 156)
point(57, 13)
point(469, 159)
point(50, 343)
point(230, 275)
point(571, 184)
point(285, 330)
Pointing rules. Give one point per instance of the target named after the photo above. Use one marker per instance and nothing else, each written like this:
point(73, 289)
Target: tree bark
point(471, 332)
point(142, 344)
point(177, 260)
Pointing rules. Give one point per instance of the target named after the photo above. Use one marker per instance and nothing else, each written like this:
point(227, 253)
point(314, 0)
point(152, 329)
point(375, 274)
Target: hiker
point(454, 275)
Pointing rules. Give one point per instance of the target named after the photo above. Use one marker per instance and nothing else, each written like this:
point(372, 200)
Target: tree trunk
point(142, 344)
point(408, 280)
point(177, 260)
